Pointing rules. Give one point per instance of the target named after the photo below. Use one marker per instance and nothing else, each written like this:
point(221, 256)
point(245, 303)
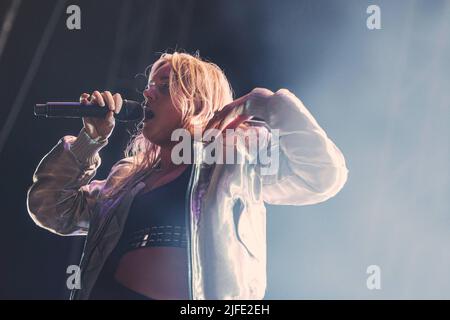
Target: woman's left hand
point(231, 116)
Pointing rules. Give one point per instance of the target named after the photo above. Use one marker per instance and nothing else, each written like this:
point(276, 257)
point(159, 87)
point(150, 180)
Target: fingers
point(114, 102)
point(229, 107)
point(261, 92)
point(118, 102)
point(283, 92)
point(84, 98)
point(237, 102)
point(107, 96)
point(237, 122)
point(110, 116)
point(97, 98)
point(257, 95)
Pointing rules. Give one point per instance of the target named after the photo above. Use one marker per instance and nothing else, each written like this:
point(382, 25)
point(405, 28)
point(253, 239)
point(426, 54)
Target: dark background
point(356, 82)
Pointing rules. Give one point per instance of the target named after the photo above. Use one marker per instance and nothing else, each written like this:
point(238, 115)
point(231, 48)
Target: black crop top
point(156, 218)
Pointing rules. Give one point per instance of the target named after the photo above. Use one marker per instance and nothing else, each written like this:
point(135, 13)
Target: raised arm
point(311, 167)
point(61, 198)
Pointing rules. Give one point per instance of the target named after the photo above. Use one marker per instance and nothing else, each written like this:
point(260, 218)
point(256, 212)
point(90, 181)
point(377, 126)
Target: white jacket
point(225, 212)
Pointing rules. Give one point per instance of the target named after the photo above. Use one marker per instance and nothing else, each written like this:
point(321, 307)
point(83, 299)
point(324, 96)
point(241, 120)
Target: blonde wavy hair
point(198, 89)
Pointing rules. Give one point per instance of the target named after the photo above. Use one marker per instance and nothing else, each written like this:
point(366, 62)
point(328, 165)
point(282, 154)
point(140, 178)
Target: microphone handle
point(130, 111)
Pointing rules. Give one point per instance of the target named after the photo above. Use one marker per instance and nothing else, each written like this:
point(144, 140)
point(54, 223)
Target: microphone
point(130, 111)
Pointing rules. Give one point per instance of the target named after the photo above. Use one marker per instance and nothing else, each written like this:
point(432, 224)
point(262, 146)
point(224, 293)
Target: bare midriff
point(158, 272)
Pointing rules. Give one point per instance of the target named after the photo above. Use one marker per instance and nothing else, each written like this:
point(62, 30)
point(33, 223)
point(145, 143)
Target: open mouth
point(148, 114)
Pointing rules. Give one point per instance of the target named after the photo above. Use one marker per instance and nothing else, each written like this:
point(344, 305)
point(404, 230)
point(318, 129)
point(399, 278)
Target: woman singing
point(163, 229)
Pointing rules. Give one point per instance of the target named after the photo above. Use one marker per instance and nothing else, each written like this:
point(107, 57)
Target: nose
point(150, 93)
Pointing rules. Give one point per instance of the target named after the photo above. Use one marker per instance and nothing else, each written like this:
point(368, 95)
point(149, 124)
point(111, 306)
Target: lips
point(148, 114)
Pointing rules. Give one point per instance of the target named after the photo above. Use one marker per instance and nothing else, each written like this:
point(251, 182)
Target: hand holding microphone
point(99, 112)
point(101, 128)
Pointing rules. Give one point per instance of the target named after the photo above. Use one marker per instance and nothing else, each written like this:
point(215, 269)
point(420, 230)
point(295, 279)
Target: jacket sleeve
point(309, 167)
point(61, 198)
